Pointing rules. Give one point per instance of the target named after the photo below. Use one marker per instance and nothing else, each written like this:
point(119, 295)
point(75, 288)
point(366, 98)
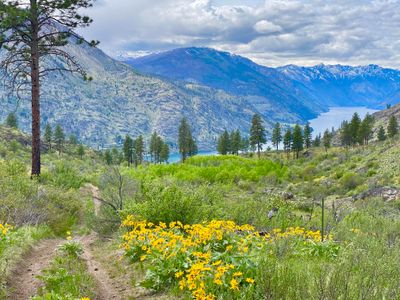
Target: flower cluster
point(4, 229)
point(308, 235)
point(204, 260)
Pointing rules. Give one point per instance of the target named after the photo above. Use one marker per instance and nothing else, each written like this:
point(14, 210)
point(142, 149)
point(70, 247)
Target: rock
point(272, 213)
point(387, 194)
point(287, 195)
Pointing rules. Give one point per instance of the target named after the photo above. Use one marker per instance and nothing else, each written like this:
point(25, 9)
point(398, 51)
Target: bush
point(350, 180)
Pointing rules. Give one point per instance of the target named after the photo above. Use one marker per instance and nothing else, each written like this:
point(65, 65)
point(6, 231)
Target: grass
point(67, 277)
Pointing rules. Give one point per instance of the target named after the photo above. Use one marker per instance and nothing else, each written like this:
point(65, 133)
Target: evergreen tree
point(393, 127)
point(139, 150)
point(31, 32)
point(307, 135)
point(128, 149)
point(12, 121)
point(354, 129)
point(276, 136)
point(224, 142)
point(59, 138)
point(245, 145)
point(187, 145)
point(365, 130)
point(48, 135)
point(317, 141)
point(257, 134)
point(236, 142)
point(327, 140)
point(164, 154)
point(298, 140)
point(345, 134)
point(81, 151)
point(381, 134)
point(108, 157)
point(287, 141)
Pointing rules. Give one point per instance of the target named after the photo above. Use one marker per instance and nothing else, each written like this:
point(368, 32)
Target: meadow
point(325, 226)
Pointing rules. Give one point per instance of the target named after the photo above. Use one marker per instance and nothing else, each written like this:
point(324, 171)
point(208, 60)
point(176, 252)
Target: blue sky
point(271, 32)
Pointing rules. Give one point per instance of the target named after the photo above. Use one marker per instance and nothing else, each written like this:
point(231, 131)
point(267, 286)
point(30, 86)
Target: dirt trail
point(95, 193)
point(23, 283)
point(106, 287)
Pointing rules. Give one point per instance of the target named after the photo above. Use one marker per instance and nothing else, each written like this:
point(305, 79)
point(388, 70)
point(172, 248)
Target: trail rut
point(23, 283)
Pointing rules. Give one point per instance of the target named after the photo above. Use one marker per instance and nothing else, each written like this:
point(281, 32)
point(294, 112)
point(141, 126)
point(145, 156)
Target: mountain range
point(213, 89)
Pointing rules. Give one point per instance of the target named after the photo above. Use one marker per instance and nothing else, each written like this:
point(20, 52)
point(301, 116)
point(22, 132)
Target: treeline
point(135, 152)
point(360, 132)
point(294, 139)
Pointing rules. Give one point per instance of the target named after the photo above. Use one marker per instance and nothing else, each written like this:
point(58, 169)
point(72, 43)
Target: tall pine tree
point(393, 127)
point(187, 144)
point(32, 31)
point(287, 141)
point(257, 134)
point(128, 149)
point(307, 135)
point(276, 136)
point(48, 135)
point(298, 140)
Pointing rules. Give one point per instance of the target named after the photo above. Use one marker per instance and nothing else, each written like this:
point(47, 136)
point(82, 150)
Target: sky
point(270, 32)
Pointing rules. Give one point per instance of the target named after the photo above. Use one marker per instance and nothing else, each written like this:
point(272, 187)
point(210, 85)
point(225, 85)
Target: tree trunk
point(35, 91)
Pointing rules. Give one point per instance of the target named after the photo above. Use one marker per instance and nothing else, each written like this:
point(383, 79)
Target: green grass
point(67, 277)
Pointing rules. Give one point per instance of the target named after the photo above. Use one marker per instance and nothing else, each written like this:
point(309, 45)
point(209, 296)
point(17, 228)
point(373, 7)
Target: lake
point(176, 157)
point(335, 116)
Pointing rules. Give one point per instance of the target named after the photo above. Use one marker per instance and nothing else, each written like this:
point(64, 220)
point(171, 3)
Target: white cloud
point(273, 32)
point(265, 26)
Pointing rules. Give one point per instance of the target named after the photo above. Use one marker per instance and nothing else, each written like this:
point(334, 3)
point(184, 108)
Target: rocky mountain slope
point(121, 101)
point(301, 91)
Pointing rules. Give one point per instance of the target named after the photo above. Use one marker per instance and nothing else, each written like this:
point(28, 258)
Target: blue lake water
point(335, 116)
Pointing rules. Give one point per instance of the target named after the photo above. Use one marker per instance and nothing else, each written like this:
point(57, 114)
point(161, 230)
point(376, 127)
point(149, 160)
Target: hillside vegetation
point(324, 226)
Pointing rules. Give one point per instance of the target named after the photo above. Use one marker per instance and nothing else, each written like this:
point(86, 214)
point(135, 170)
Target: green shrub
point(350, 180)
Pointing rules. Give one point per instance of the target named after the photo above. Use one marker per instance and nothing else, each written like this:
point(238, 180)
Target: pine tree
point(139, 150)
point(365, 130)
point(381, 134)
point(298, 140)
point(276, 136)
point(48, 135)
point(245, 145)
point(59, 138)
point(354, 129)
point(12, 121)
point(164, 154)
point(257, 134)
point(393, 127)
point(31, 32)
point(327, 140)
point(81, 151)
point(187, 144)
point(236, 141)
point(287, 141)
point(317, 141)
point(224, 142)
point(128, 149)
point(307, 135)
point(345, 134)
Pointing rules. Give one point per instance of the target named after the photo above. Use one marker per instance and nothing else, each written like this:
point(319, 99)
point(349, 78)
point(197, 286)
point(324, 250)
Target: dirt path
point(95, 193)
point(106, 287)
point(23, 283)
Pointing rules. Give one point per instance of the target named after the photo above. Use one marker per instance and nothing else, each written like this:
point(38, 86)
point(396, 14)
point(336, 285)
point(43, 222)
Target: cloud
point(265, 26)
point(272, 32)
